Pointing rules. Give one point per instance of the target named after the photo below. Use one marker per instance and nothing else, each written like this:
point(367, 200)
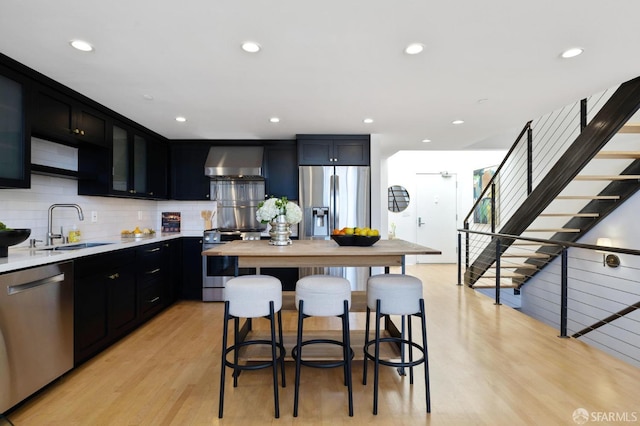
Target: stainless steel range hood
point(234, 161)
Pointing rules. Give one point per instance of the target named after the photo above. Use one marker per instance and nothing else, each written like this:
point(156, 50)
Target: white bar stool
point(395, 294)
point(252, 296)
point(324, 296)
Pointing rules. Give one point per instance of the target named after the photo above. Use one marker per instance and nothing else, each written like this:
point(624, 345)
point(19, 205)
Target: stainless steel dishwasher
point(36, 329)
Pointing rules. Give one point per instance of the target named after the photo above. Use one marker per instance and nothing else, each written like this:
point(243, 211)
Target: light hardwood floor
point(489, 365)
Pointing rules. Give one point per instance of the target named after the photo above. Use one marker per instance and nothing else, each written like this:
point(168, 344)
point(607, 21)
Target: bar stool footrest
point(389, 363)
point(253, 365)
point(317, 363)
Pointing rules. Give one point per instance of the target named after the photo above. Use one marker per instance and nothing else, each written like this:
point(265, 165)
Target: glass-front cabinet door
point(14, 146)
point(120, 149)
point(139, 165)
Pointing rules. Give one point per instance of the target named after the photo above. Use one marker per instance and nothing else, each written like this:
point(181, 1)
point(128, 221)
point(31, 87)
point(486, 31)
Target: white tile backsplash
point(27, 208)
point(53, 154)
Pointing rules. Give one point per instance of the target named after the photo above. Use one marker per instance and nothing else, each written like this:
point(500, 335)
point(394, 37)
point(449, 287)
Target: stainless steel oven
point(217, 270)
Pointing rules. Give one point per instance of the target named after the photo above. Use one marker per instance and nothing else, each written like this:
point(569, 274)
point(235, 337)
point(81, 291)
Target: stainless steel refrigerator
point(334, 197)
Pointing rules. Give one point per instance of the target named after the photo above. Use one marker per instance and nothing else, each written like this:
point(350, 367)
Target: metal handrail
point(524, 130)
point(565, 244)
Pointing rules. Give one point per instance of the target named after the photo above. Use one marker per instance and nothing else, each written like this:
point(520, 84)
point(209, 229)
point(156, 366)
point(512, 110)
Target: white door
point(436, 212)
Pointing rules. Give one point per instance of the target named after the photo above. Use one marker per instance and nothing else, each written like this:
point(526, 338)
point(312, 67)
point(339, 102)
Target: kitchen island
point(317, 253)
point(320, 253)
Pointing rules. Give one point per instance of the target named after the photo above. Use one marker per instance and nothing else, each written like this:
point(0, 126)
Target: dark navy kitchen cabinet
point(333, 150)
point(188, 181)
point(15, 143)
point(191, 268)
point(62, 119)
point(105, 301)
point(151, 272)
point(281, 169)
point(134, 165)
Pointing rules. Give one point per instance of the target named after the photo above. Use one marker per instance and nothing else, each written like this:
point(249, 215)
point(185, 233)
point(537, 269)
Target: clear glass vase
point(280, 231)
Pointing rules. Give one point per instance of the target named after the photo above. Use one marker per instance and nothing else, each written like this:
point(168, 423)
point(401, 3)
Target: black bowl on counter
point(355, 240)
point(11, 237)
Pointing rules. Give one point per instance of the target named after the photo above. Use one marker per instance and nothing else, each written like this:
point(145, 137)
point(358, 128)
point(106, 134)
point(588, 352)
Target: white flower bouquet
point(270, 209)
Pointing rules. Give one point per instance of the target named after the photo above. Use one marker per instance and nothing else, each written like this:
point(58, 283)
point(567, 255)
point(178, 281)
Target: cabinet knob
point(114, 276)
point(82, 132)
point(132, 191)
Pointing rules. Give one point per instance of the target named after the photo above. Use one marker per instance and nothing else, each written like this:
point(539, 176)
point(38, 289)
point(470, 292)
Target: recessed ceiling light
point(414, 48)
point(81, 45)
point(274, 120)
point(181, 119)
point(368, 120)
point(426, 140)
point(251, 47)
point(457, 122)
point(572, 53)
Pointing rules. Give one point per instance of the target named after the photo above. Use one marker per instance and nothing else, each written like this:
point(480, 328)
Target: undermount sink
point(75, 246)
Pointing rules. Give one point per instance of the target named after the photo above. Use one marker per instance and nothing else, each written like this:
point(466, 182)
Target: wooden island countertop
point(312, 253)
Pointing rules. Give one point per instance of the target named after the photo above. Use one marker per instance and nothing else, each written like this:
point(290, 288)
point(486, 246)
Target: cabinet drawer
point(149, 261)
point(150, 297)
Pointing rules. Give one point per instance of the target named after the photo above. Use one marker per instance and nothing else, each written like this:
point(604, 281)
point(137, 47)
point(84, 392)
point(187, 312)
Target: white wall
point(402, 169)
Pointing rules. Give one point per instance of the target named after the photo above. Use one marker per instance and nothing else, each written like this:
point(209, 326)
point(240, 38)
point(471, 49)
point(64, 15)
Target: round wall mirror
point(398, 198)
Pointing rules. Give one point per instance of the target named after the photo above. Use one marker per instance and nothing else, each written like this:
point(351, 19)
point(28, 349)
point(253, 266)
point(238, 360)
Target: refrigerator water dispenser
point(320, 221)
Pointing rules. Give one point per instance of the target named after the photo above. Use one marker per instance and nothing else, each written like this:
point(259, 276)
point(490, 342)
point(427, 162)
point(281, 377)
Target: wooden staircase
point(556, 210)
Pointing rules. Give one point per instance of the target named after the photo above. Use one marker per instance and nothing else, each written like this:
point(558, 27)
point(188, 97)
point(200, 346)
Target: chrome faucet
point(50, 235)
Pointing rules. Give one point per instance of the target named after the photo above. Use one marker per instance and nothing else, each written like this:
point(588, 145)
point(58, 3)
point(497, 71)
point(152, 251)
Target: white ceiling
point(326, 65)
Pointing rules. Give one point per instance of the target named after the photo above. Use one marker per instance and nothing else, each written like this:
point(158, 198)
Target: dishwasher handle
point(19, 288)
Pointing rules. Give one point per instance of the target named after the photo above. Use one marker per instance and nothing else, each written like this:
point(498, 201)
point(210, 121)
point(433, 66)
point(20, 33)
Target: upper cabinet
point(188, 181)
point(15, 147)
point(135, 166)
point(333, 150)
point(281, 169)
point(62, 119)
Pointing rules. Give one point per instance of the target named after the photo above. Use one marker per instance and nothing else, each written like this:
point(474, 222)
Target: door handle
point(420, 222)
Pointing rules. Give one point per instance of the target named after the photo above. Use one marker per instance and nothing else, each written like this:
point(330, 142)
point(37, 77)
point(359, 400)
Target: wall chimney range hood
point(234, 161)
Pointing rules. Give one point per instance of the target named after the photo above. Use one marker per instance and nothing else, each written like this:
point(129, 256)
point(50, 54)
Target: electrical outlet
point(139, 214)
point(94, 216)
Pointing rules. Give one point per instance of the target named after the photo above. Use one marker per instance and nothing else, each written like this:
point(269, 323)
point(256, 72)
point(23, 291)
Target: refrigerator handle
point(336, 190)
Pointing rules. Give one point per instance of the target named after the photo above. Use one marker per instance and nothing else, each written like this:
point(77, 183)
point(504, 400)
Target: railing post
point(498, 253)
point(583, 114)
point(459, 259)
point(493, 208)
point(563, 294)
point(466, 246)
point(529, 160)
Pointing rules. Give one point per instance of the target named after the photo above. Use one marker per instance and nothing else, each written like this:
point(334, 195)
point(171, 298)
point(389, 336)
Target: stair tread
point(477, 285)
point(618, 155)
point(588, 197)
point(530, 243)
point(569, 214)
point(517, 266)
point(552, 230)
point(607, 177)
point(630, 128)
point(529, 255)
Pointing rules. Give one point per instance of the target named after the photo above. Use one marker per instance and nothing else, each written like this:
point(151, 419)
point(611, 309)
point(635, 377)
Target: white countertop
point(25, 257)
